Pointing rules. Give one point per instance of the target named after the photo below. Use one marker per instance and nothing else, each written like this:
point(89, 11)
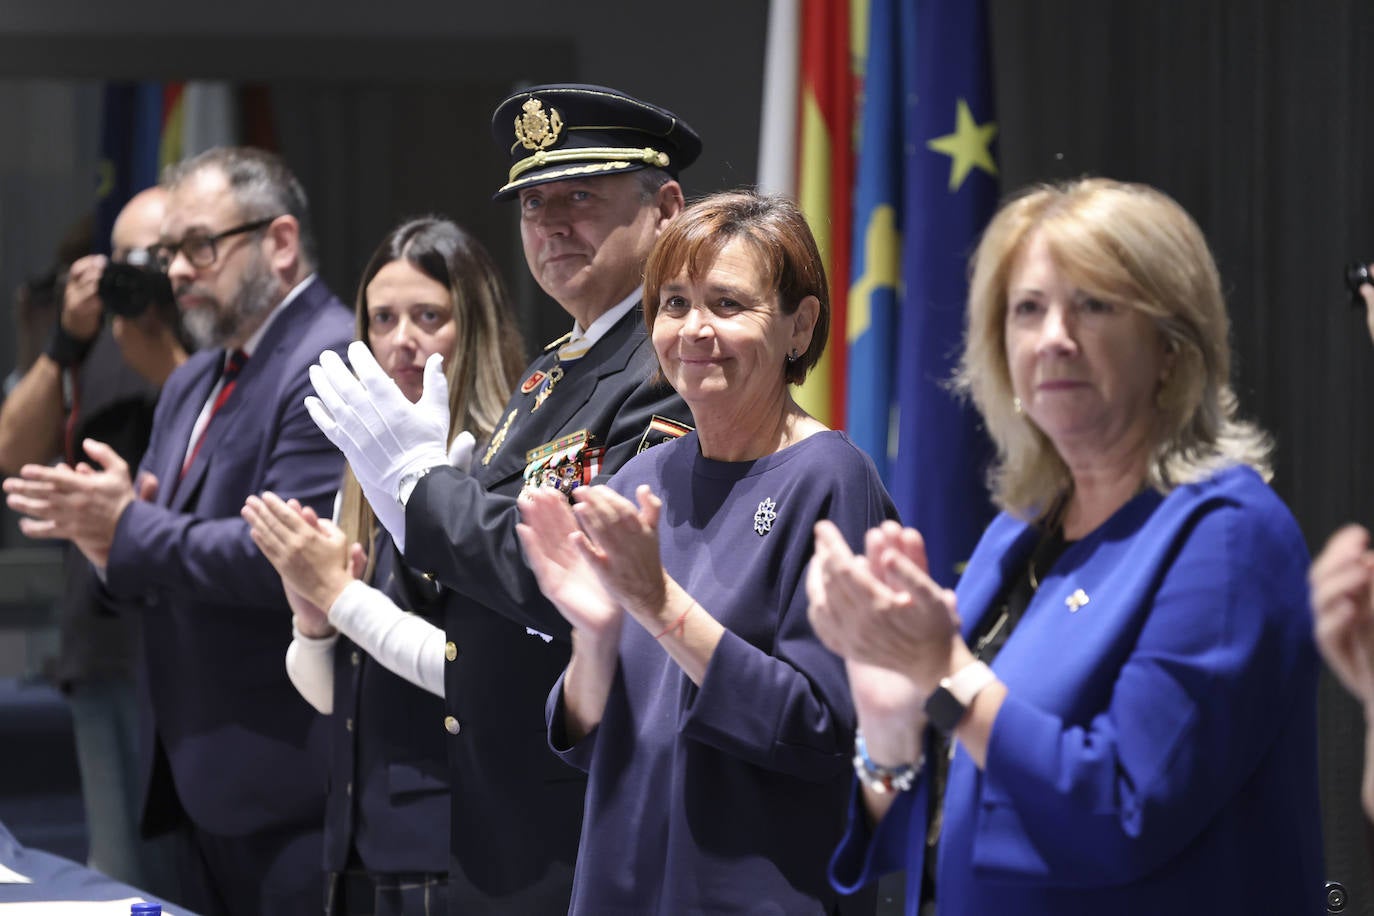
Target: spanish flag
point(807, 152)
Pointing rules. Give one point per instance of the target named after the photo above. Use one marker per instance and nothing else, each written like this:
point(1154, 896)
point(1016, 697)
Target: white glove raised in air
point(382, 435)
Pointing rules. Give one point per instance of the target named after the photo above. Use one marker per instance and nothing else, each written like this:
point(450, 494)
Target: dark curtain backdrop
point(374, 155)
point(1255, 115)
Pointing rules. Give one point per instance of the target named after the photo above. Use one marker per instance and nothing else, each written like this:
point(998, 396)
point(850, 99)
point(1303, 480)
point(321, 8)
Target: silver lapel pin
point(764, 517)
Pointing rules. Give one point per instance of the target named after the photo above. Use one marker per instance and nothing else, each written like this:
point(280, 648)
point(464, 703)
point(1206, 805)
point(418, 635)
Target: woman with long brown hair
point(429, 293)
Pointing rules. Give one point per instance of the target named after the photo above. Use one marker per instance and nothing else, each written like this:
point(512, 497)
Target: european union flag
point(927, 186)
point(130, 133)
point(951, 189)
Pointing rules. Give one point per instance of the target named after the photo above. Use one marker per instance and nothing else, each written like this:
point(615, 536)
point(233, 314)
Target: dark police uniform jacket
point(517, 809)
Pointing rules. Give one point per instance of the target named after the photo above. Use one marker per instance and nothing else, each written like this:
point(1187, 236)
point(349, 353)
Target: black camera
point(129, 290)
point(1356, 275)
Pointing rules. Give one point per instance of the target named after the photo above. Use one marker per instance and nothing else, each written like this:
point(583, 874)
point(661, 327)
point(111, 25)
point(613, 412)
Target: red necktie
point(232, 368)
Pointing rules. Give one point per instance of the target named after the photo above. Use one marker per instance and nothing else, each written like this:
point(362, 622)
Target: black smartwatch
point(949, 703)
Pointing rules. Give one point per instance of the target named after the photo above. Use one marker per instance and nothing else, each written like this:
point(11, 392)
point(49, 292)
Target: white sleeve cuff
point(408, 645)
point(310, 665)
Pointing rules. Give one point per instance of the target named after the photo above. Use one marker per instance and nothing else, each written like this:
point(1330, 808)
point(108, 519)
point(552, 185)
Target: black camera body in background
point(130, 291)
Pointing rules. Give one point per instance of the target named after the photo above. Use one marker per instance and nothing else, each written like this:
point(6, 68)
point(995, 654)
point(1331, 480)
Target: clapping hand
point(312, 555)
point(882, 608)
point(81, 504)
point(555, 549)
point(620, 541)
point(1342, 589)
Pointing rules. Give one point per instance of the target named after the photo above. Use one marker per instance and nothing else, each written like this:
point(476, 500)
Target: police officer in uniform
point(594, 174)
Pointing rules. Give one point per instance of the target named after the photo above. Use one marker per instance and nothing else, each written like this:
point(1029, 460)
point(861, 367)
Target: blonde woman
point(1116, 711)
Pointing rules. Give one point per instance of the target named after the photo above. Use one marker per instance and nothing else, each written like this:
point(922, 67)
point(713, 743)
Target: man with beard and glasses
point(232, 757)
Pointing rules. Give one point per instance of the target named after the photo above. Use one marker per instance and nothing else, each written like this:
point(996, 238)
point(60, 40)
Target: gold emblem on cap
point(536, 129)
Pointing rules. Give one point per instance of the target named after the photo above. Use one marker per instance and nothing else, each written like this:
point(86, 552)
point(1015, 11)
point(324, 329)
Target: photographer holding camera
point(143, 315)
point(101, 382)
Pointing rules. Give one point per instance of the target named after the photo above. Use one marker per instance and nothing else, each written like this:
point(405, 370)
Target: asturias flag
point(875, 275)
point(927, 184)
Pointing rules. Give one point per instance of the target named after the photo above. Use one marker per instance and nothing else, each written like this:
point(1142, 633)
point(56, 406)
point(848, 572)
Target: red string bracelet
point(680, 624)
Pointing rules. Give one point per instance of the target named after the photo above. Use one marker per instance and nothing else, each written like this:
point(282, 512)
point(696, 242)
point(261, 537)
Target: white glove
point(381, 434)
point(460, 451)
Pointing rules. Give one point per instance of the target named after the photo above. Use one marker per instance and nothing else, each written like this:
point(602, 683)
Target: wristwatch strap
point(949, 703)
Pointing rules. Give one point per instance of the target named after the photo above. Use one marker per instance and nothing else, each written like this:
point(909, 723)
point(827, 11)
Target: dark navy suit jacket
point(389, 792)
point(246, 752)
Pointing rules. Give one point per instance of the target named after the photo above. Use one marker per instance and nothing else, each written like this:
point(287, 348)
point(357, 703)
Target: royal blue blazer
point(1157, 749)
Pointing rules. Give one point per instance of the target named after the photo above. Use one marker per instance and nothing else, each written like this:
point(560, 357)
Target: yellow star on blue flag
point(969, 147)
point(927, 77)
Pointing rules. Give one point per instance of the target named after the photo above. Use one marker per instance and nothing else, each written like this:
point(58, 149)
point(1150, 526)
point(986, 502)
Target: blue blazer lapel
point(1094, 598)
point(204, 370)
point(215, 432)
point(1004, 547)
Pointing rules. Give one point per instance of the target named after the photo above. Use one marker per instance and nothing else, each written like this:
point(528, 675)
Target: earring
point(792, 357)
point(1016, 406)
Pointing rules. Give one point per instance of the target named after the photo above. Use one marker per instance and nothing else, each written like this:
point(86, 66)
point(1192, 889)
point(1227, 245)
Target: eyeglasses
point(200, 249)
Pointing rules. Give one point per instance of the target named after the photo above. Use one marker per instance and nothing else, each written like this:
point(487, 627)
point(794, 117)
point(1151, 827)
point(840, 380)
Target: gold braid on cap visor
point(647, 155)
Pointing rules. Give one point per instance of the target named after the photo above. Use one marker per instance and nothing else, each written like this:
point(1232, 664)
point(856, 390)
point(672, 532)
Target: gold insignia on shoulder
point(499, 437)
point(558, 341)
point(535, 129)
